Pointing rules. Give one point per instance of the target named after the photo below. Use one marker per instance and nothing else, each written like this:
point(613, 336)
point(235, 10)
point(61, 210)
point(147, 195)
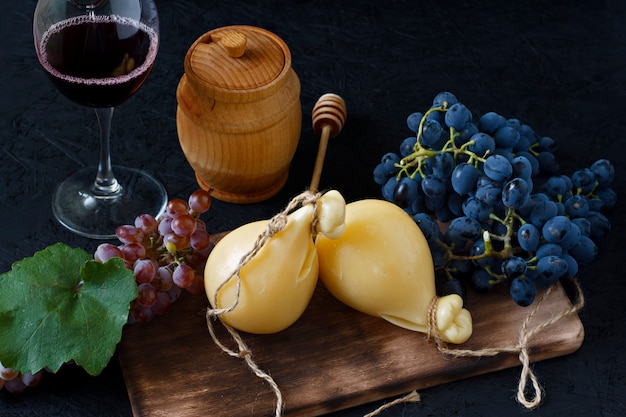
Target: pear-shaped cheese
point(279, 280)
point(382, 266)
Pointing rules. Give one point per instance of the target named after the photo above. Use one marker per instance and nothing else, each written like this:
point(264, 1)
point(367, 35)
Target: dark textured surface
point(559, 66)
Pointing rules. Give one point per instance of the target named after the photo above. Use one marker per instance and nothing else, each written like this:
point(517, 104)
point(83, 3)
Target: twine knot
point(275, 225)
point(521, 348)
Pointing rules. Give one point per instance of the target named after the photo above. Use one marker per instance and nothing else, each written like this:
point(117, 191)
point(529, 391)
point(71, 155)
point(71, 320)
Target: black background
point(556, 65)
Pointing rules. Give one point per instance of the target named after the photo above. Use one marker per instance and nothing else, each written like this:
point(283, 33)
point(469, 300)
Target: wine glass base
point(79, 208)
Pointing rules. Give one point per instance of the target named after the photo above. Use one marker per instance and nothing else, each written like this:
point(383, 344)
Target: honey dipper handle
point(329, 116)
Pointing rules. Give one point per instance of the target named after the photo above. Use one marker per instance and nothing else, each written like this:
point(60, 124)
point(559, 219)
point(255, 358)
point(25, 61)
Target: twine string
point(275, 225)
point(521, 348)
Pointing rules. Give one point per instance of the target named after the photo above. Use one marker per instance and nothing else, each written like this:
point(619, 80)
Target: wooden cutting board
point(331, 359)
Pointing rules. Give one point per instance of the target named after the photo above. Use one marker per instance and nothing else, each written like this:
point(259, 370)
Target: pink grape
point(174, 242)
point(174, 293)
point(145, 270)
point(146, 295)
point(177, 206)
point(146, 223)
point(133, 251)
point(183, 225)
point(127, 234)
point(7, 374)
point(165, 225)
point(197, 286)
point(183, 276)
point(32, 380)
point(15, 386)
point(106, 251)
point(200, 201)
point(163, 280)
point(140, 314)
point(162, 303)
point(200, 239)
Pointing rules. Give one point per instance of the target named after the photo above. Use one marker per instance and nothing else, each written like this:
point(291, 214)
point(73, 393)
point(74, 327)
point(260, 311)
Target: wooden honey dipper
point(329, 115)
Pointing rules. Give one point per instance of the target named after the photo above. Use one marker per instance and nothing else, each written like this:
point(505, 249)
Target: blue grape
point(506, 137)
point(431, 133)
point(507, 153)
point(435, 202)
point(413, 121)
point(490, 122)
point(556, 186)
point(528, 237)
point(572, 236)
point(514, 123)
point(542, 212)
point(433, 187)
point(515, 193)
point(405, 192)
point(534, 163)
point(522, 167)
point(407, 146)
point(584, 251)
point(463, 178)
point(555, 229)
point(488, 193)
point(484, 180)
point(443, 165)
point(523, 144)
point(547, 144)
point(514, 267)
point(584, 225)
point(482, 145)
point(572, 265)
point(478, 251)
point(523, 291)
point(429, 227)
point(455, 203)
point(604, 172)
point(498, 168)
point(584, 180)
point(476, 209)
point(549, 249)
point(455, 286)
point(596, 204)
point(577, 206)
point(443, 212)
point(482, 281)
point(381, 174)
point(550, 268)
point(462, 230)
point(547, 163)
point(608, 196)
point(389, 160)
point(469, 130)
point(444, 98)
point(388, 189)
point(600, 225)
point(457, 116)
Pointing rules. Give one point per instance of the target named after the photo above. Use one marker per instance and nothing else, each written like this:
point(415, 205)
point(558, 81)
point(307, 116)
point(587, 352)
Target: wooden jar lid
point(237, 63)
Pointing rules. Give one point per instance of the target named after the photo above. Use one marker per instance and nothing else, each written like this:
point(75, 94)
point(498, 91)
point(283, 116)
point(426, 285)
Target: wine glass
point(98, 53)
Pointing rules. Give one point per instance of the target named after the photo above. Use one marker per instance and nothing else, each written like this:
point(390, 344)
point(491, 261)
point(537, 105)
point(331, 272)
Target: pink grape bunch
point(167, 254)
point(15, 382)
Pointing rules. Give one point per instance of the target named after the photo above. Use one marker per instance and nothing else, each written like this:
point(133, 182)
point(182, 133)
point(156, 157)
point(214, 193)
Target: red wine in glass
point(98, 53)
point(98, 62)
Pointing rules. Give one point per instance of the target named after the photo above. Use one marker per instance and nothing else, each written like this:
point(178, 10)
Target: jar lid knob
point(234, 43)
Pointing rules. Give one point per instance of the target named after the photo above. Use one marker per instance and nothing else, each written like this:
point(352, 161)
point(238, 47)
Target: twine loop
point(521, 348)
point(275, 225)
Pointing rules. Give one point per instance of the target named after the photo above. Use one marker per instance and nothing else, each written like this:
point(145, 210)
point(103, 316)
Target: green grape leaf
point(61, 305)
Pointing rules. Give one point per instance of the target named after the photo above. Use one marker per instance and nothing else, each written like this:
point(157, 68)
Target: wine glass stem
point(106, 184)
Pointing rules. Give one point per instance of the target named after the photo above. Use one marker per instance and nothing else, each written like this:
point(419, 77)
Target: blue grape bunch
point(510, 216)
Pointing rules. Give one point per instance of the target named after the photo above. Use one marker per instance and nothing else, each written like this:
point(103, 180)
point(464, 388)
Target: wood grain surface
point(331, 359)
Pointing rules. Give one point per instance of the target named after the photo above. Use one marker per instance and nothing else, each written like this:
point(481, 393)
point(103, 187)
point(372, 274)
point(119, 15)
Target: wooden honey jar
point(239, 116)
